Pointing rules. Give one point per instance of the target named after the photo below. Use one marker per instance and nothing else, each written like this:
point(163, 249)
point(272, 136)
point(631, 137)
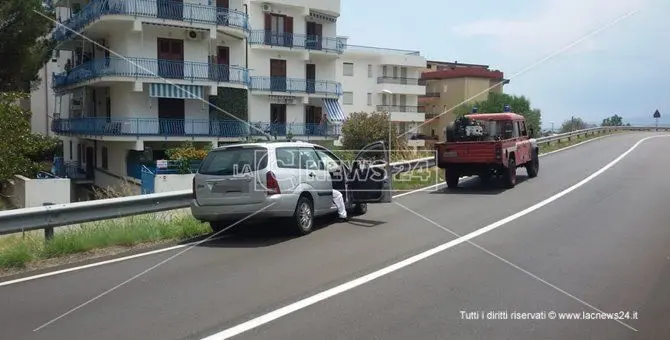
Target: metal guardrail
point(48, 217)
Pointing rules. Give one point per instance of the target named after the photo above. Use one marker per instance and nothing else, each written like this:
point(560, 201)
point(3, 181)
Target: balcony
point(398, 80)
point(158, 9)
point(295, 85)
point(300, 41)
point(146, 127)
point(400, 85)
point(404, 113)
point(401, 108)
point(133, 67)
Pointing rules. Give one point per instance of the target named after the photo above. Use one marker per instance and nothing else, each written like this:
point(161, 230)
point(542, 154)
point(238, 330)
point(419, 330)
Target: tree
point(572, 124)
point(496, 102)
point(23, 152)
point(363, 128)
point(24, 46)
point(615, 120)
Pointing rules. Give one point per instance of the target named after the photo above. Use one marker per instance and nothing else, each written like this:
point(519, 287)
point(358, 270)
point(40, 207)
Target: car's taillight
point(271, 184)
point(193, 186)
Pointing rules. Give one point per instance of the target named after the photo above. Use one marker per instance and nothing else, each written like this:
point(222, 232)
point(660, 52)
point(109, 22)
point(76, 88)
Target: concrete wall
point(167, 183)
point(28, 193)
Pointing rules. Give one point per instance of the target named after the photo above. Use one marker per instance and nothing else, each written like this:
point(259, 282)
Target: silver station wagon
point(291, 181)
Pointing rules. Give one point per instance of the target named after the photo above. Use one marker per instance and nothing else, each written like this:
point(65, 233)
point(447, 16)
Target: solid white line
point(162, 250)
point(276, 314)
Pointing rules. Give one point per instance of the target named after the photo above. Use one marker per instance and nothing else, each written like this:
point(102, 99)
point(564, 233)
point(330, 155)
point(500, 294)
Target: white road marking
point(298, 305)
point(162, 250)
point(95, 264)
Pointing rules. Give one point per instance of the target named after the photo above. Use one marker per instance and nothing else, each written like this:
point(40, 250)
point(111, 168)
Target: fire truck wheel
point(533, 167)
point(452, 176)
point(510, 173)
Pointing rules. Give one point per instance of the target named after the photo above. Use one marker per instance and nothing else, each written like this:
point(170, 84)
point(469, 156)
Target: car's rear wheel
point(303, 218)
point(510, 173)
point(533, 167)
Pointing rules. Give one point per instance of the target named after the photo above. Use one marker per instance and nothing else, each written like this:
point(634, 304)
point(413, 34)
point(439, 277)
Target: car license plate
point(450, 154)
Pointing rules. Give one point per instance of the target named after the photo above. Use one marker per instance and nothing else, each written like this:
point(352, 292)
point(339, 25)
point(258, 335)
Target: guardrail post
point(48, 232)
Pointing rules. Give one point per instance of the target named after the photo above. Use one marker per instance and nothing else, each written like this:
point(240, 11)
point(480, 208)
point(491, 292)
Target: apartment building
point(135, 77)
point(449, 85)
point(383, 80)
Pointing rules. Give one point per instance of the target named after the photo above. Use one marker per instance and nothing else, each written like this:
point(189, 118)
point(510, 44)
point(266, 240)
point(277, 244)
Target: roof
point(495, 116)
point(462, 72)
point(455, 63)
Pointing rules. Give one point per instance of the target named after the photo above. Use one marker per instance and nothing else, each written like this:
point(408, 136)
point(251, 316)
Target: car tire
point(510, 173)
point(302, 222)
point(452, 177)
point(533, 167)
point(360, 209)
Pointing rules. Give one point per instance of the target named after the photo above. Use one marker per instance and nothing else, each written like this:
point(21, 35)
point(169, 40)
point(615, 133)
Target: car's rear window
point(234, 160)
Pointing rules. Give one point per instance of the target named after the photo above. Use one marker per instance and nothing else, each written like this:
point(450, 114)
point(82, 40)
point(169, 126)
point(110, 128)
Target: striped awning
point(176, 91)
point(333, 109)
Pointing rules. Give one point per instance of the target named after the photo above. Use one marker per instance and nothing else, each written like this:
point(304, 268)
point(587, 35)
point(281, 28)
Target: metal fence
point(48, 217)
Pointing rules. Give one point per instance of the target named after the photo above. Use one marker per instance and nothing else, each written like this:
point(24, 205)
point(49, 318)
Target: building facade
point(133, 78)
point(449, 85)
point(383, 80)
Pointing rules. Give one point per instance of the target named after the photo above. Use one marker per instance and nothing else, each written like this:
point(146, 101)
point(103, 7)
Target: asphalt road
point(605, 245)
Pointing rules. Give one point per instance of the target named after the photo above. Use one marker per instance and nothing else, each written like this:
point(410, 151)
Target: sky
point(587, 58)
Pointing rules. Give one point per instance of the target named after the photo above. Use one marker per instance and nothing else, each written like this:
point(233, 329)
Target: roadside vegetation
point(18, 250)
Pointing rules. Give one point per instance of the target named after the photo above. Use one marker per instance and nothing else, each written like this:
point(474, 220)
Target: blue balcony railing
point(295, 85)
point(101, 126)
point(292, 40)
point(160, 9)
point(152, 68)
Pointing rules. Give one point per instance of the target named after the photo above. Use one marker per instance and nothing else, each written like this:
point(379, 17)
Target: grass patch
point(16, 251)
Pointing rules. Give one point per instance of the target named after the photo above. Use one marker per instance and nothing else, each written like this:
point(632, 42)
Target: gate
point(148, 180)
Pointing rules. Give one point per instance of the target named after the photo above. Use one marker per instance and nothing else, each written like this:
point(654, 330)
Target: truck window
point(522, 128)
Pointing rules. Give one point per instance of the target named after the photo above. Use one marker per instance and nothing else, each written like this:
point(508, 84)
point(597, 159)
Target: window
point(369, 99)
point(369, 71)
point(348, 98)
point(348, 69)
point(287, 158)
point(234, 160)
point(104, 157)
point(297, 158)
point(330, 161)
point(522, 128)
point(70, 145)
point(309, 160)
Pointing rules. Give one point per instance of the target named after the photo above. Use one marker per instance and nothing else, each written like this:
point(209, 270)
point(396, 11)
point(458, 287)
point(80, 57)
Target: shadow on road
point(256, 234)
point(476, 187)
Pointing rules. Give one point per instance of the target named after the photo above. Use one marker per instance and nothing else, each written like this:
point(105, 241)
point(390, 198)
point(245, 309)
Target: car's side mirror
point(531, 133)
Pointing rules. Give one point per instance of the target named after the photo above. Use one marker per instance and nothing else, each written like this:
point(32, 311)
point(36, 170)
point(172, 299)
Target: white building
point(148, 75)
point(383, 80)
